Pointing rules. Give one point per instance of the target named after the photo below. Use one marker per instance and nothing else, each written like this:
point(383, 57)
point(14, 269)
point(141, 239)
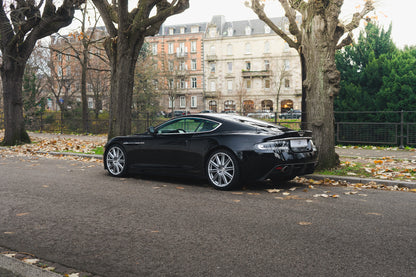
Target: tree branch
point(355, 22)
point(258, 9)
point(109, 15)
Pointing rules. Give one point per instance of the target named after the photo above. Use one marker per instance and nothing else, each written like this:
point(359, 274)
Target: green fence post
point(401, 129)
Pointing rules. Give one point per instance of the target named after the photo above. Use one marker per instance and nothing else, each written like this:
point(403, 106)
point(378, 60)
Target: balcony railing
point(211, 94)
point(260, 73)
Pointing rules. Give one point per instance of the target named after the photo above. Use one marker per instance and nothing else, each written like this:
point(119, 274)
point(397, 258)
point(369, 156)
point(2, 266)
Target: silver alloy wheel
point(221, 169)
point(116, 161)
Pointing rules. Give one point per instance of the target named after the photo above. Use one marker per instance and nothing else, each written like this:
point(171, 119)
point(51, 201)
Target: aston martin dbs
point(226, 149)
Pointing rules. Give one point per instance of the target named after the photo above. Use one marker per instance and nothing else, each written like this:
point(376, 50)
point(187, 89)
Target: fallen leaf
point(236, 201)
point(286, 193)
point(180, 187)
point(305, 223)
point(273, 190)
point(22, 214)
point(292, 189)
point(30, 261)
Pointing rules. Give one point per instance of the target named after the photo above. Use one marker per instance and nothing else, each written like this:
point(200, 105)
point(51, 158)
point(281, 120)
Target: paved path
point(375, 153)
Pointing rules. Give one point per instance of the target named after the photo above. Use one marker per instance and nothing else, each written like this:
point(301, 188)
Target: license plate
point(298, 143)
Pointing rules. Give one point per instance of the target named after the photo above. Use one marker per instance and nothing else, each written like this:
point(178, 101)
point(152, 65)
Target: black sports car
point(227, 149)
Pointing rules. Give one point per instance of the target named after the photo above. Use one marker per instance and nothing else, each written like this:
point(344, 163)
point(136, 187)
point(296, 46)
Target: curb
point(18, 267)
point(363, 180)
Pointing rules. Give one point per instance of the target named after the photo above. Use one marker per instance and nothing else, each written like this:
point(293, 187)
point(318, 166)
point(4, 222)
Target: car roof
point(235, 120)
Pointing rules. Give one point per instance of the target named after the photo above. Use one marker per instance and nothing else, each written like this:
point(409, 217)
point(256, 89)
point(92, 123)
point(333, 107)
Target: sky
point(397, 12)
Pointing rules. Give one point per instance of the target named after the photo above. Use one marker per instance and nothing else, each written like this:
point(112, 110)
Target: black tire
point(116, 161)
point(222, 170)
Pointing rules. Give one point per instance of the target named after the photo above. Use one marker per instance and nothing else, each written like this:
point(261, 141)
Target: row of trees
point(375, 75)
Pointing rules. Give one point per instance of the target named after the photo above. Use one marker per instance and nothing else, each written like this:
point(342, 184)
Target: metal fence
point(374, 128)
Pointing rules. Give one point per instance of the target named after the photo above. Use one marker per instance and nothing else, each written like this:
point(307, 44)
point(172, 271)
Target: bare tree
point(127, 31)
point(22, 25)
point(316, 39)
point(80, 46)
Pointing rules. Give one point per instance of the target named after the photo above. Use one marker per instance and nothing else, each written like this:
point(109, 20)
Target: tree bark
point(14, 124)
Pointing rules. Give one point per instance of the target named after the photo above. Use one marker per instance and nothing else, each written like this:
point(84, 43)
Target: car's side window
point(183, 125)
point(206, 126)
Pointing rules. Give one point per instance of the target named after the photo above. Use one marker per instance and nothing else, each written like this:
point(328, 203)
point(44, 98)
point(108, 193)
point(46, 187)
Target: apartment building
point(249, 68)
point(178, 51)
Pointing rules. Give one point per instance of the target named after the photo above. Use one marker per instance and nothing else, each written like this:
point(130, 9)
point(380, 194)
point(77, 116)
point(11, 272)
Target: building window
point(212, 67)
point(230, 31)
point(182, 102)
point(230, 67)
point(212, 50)
point(248, 30)
point(182, 30)
point(229, 105)
point(213, 86)
point(213, 32)
point(229, 49)
point(170, 65)
point(193, 46)
point(59, 56)
point(170, 84)
point(267, 47)
point(171, 31)
point(194, 29)
point(154, 49)
point(248, 48)
point(248, 84)
point(287, 64)
point(229, 85)
point(193, 64)
point(267, 83)
point(287, 83)
point(182, 66)
point(194, 82)
point(181, 48)
point(183, 84)
point(248, 66)
point(266, 64)
point(194, 101)
point(170, 48)
point(213, 105)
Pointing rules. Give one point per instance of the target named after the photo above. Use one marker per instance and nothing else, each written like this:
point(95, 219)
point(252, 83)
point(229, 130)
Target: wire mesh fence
point(379, 128)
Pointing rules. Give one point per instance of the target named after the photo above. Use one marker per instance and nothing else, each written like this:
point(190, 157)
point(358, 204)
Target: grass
point(345, 169)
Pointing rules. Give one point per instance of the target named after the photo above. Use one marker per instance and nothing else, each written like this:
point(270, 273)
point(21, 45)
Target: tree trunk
point(15, 132)
point(321, 85)
point(123, 60)
point(84, 100)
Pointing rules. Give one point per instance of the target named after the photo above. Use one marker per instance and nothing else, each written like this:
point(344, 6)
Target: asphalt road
point(73, 213)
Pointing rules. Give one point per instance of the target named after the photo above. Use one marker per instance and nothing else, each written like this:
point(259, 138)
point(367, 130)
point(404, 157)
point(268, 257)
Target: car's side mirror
point(151, 130)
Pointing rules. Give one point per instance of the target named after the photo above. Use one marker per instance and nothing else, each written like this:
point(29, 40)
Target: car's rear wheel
point(222, 170)
point(116, 161)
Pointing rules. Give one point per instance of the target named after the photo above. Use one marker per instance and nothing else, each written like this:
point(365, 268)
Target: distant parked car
point(261, 114)
point(207, 111)
point(178, 113)
point(295, 114)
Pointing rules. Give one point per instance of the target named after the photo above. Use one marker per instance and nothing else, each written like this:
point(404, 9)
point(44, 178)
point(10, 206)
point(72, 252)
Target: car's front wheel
point(222, 170)
point(116, 161)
